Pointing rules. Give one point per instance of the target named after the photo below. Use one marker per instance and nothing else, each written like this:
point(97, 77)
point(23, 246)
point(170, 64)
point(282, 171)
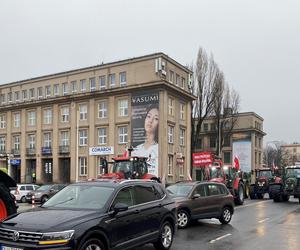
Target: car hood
point(49, 219)
point(179, 199)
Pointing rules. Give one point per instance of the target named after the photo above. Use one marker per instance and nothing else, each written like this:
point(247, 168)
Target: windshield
point(293, 172)
point(265, 173)
point(80, 197)
point(216, 173)
point(44, 187)
point(123, 166)
point(179, 190)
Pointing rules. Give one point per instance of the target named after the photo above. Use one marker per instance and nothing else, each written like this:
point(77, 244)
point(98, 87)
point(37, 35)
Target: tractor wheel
point(252, 193)
point(270, 195)
point(285, 198)
point(299, 200)
point(239, 200)
point(275, 192)
point(7, 204)
point(260, 196)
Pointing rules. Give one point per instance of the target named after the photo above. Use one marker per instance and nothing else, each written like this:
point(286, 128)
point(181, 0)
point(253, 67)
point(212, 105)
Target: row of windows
point(102, 112)
point(65, 88)
point(102, 135)
point(177, 79)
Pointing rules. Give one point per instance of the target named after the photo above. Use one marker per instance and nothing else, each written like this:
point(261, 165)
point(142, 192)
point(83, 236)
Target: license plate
point(10, 248)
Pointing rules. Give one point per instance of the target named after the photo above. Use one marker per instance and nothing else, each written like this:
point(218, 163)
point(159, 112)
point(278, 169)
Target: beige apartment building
point(291, 153)
point(58, 127)
point(245, 142)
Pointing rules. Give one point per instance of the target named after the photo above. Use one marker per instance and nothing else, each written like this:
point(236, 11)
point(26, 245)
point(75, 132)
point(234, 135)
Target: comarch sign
point(101, 150)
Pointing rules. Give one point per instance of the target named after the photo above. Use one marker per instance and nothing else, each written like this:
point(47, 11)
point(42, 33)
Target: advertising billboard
point(144, 127)
point(242, 150)
point(202, 159)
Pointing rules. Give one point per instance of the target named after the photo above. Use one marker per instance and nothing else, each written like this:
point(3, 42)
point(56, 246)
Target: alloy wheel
point(182, 219)
point(226, 215)
point(166, 236)
point(93, 247)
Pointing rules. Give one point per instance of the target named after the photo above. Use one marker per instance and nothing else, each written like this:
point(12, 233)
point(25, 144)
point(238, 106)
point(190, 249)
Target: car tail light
point(17, 191)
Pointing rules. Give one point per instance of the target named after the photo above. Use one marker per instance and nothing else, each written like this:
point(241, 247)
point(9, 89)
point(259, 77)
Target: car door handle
point(137, 211)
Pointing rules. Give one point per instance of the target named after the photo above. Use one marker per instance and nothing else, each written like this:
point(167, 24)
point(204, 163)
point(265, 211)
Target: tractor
point(288, 186)
point(213, 169)
point(127, 167)
point(263, 178)
point(7, 203)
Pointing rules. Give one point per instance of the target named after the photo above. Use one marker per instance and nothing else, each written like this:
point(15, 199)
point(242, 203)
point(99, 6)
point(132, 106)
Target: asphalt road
point(258, 224)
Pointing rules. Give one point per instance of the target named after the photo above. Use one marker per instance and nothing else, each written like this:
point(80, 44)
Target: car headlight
point(37, 194)
point(56, 237)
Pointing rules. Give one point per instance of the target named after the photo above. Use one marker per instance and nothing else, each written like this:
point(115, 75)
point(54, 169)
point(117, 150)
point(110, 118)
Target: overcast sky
point(256, 43)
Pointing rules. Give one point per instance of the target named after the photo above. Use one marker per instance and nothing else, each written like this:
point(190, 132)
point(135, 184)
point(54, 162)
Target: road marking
point(261, 221)
point(220, 238)
point(252, 204)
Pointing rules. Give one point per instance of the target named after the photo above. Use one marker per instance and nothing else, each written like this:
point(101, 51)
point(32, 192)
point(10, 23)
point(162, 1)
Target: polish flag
point(236, 163)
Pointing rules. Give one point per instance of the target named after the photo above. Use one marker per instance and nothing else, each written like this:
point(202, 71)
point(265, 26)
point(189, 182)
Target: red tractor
point(213, 169)
point(128, 167)
point(7, 203)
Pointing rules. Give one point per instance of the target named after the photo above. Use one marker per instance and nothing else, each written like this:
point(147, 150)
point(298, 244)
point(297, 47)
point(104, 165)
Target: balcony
point(46, 151)
point(64, 149)
point(16, 152)
point(30, 151)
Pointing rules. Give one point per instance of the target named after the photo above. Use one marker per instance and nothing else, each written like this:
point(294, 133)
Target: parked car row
point(115, 214)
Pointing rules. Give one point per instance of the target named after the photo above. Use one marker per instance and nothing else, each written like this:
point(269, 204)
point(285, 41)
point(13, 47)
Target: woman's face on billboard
point(151, 121)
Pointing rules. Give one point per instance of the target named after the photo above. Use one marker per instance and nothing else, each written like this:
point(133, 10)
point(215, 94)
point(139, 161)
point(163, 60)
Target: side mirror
point(120, 207)
point(196, 196)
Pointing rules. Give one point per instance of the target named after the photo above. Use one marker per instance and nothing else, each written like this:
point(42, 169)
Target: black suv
point(103, 214)
point(202, 200)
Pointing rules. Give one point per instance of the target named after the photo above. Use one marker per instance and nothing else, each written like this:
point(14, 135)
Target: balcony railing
point(64, 149)
point(15, 151)
point(30, 151)
point(46, 151)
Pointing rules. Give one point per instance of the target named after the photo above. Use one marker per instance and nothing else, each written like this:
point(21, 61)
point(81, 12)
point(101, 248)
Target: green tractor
point(7, 203)
point(289, 185)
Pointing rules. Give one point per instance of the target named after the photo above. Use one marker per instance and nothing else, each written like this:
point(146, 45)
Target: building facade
point(56, 128)
point(291, 153)
point(245, 141)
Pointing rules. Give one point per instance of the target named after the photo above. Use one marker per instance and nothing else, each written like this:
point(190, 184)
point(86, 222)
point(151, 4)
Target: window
point(122, 78)
point(56, 89)
point(182, 83)
point(123, 107)
point(171, 76)
point(170, 106)
point(182, 137)
point(48, 90)
point(205, 126)
point(2, 121)
point(177, 79)
point(170, 134)
point(16, 142)
point(144, 194)
point(102, 109)
point(82, 166)
point(47, 116)
point(31, 141)
point(83, 112)
point(182, 111)
point(9, 97)
point(83, 85)
point(2, 144)
point(65, 88)
point(212, 141)
point(227, 157)
point(92, 84)
point(17, 120)
point(31, 118)
point(102, 84)
point(24, 94)
point(40, 92)
point(102, 136)
point(17, 96)
point(2, 98)
point(83, 137)
point(112, 80)
point(124, 196)
point(213, 189)
point(65, 112)
point(201, 189)
point(74, 86)
point(226, 141)
point(64, 138)
point(47, 140)
point(123, 134)
point(170, 165)
point(31, 94)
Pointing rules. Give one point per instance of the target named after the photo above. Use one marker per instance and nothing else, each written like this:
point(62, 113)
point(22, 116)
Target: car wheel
point(165, 237)
point(226, 215)
point(260, 196)
point(23, 199)
point(92, 244)
point(285, 198)
point(183, 218)
point(44, 199)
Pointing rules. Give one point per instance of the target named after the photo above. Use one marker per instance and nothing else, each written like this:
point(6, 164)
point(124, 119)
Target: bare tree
point(274, 155)
point(204, 85)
